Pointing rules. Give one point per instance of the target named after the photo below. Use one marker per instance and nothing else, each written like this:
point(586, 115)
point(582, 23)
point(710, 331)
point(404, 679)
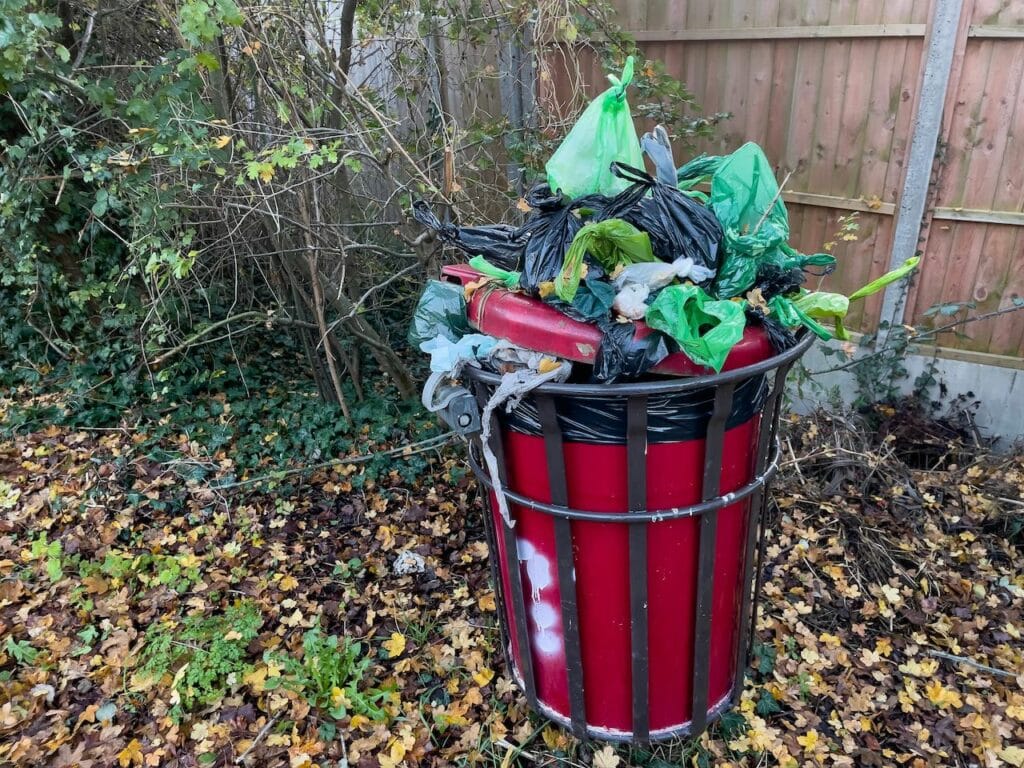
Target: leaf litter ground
point(148, 619)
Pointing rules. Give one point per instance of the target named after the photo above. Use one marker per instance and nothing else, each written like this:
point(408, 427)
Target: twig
point(917, 340)
point(256, 314)
point(259, 737)
point(970, 663)
point(771, 204)
point(1015, 502)
point(431, 443)
point(362, 300)
point(795, 462)
point(83, 42)
point(517, 750)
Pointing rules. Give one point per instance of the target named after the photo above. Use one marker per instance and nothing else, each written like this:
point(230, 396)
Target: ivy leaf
point(99, 208)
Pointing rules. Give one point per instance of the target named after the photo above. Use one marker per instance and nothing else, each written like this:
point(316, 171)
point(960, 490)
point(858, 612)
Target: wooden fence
point(833, 92)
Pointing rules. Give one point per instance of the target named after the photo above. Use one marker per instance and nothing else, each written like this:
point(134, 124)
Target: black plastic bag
point(621, 354)
point(672, 417)
point(677, 225)
point(501, 244)
point(775, 280)
point(549, 231)
point(780, 337)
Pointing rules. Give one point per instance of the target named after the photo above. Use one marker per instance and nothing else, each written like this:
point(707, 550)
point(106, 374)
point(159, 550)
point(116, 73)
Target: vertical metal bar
point(501, 605)
point(566, 563)
point(511, 565)
point(773, 430)
point(636, 468)
point(713, 445)
point(746, 621)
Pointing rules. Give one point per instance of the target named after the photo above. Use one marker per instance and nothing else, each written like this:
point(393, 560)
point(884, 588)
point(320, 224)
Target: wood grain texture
point(837, 109)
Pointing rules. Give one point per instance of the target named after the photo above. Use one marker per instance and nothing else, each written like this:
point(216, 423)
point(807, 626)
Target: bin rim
point(683, 384)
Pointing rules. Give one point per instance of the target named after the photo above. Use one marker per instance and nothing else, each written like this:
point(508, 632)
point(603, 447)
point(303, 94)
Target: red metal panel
point(596, 477)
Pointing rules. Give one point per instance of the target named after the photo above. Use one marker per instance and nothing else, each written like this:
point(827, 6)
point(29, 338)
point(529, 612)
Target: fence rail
point(833, 92)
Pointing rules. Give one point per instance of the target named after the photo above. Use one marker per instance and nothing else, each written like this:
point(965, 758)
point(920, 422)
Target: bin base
point(614, 734)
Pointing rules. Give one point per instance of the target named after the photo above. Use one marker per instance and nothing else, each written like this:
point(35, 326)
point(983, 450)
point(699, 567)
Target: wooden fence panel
point(826, 88)
point(829, 88)
point(974, 250)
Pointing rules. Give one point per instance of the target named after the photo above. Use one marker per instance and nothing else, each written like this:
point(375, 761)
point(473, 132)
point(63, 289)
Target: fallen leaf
point(130, 755)
point(395, 645)
point(606, 757)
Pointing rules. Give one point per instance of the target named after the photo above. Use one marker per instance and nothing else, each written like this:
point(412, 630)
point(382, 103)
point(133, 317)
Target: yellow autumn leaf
point(941, 696)
point(808, 741)
point(266, 172)
point(339, 699)
point(221, 141)
point(487, 603)
point(130, 755)
point(1012, 755)
point(546, 288)
point(548, 364)
point(279, 740)
point(394, 756)
point(288, 583)
point(483, 677)
point(924, 668)
point(395, 645)
point(606, 757)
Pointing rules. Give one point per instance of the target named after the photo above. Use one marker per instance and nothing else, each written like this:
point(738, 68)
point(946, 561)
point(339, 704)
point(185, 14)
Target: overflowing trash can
point(625, 570)
point(616, 363)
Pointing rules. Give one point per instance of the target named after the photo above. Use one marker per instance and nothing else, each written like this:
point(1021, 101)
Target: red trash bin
point(625, 583)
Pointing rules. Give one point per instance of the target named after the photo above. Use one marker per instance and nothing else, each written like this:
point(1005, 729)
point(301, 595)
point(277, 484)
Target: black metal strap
point(713, 446)
point(636, 473)
point(566, 565)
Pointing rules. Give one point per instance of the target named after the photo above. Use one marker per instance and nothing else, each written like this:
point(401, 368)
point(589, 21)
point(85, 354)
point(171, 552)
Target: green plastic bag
point(504, 276)
point(604, 133)
point(834, 306)
point(825, 306)
point(706, 329)
point(611, 242)
point(875, 286)
point(788, 313)
point(747, 202)
point(441, 311)
point(697, 170)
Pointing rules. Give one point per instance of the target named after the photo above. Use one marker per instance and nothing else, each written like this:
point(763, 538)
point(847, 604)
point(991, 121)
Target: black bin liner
point(672, 417)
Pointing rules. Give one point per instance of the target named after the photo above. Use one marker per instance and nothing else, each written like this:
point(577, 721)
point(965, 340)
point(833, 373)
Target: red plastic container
point(625, 580)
